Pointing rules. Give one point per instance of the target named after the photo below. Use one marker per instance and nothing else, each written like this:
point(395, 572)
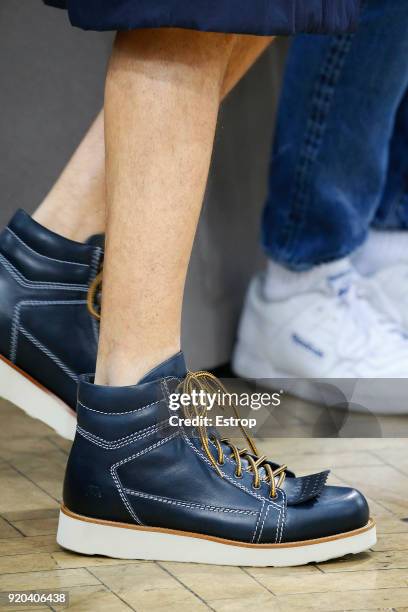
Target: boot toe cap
point(336, 510)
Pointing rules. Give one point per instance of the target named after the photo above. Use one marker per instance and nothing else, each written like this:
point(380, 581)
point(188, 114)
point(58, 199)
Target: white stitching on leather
point(145, 450)
point(25, 282)
point(278, 525)
point(123, 438)
point(114, 467)
point(15, 322)
point(113, 445)
point(263, 522)
point(322, 478)
point(123, 497)
point(49, 354)
point(257, 522)
point(63, 261)
point(305, 490)
point(198, 506)
point(298, 488)
point(165, 387)
point(116, 413)
point(284, 505)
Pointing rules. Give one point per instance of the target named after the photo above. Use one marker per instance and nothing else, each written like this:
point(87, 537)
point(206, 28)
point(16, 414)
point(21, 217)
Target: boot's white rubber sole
point(119, 540)
point(35, 400)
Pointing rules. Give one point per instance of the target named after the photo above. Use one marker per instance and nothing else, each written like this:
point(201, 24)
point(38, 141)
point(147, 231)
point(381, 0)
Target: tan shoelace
point(93, 290)
point(204, 381)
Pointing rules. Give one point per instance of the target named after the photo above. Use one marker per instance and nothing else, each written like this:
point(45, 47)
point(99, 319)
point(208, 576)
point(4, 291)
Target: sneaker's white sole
point(119, 540)
point(35, 400)
point(365, 395)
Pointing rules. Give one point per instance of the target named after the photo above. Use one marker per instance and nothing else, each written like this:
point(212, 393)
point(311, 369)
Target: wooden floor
point(32, 461)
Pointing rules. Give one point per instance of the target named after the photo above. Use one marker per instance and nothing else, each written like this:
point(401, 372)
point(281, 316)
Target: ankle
point(74, 225)
point(56, 223)
point(121, 368)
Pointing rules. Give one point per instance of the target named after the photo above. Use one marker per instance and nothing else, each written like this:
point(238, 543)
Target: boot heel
point(35, 400)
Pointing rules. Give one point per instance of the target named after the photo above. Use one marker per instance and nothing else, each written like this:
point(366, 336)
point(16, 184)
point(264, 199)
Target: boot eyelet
point(238, 476)
point(273, 496)
point(256, 488)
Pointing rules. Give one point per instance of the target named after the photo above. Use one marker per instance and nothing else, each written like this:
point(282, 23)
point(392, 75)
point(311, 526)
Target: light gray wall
point(51, 87)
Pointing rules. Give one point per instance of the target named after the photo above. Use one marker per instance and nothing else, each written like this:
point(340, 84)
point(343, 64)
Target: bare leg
point(75, 206)
point(162, 98)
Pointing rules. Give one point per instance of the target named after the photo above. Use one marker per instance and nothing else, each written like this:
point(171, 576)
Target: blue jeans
point(340, 157)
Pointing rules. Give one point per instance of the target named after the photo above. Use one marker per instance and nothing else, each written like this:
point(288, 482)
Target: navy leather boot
point(142, 485)
point(47, 336)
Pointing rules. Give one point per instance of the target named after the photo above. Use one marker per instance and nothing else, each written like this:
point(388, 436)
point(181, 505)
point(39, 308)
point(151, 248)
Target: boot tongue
point(174, 366)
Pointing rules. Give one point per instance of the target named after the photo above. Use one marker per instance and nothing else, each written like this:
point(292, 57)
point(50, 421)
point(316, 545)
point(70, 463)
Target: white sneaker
point(393, 281)
point(335, 330)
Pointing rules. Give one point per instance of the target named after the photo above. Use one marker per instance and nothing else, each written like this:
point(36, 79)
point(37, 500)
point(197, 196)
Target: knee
point(174, 47)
